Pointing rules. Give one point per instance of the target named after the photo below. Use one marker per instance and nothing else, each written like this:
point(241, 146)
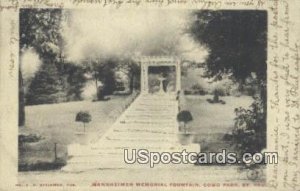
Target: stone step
point(149, 103)
point(117, 164)
point(148, 126)
point(154, 132)
point(116, 153)
point(154, 115)
point(156, 119)
point(141, 134)
point(154, 110)
point(145, 121)
point(148, 123)
point(140, 140)
point(118, 149)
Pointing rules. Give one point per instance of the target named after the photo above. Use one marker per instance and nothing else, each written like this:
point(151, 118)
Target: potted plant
point(84, 117)
point(185, 117)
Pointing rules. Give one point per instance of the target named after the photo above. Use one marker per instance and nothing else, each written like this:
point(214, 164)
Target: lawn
point(212, 121)
point(56, 124)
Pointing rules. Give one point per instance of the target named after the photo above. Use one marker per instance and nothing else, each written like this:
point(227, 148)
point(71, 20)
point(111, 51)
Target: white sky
point(94, 33)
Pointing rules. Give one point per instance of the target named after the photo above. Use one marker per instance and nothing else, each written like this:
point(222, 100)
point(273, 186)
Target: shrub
point(46, 87)
point(198, 89)
point(100, 93)
point(31, 138)
point(216, 99)
point(225, 87)
point(187, 92)
point(220, 90)
point(84, 117)
point(42, 166)
point(250, 90)
point(249, 134)
point(185, 117)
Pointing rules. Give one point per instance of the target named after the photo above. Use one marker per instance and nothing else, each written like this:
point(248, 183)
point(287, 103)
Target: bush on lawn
point(31, 138)
point(220, 90)
point(249, 134)
point(198, 89)
point(225, 87)
point(42, 166)
point(216, 99)
point(185, 117)
point(84, 117)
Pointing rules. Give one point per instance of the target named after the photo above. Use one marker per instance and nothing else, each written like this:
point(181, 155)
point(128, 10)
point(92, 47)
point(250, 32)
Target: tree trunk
point(84, 127)
point(132, 83)
point(241, 87)
point(21, 101)
point(216, 97)
point(55, 151)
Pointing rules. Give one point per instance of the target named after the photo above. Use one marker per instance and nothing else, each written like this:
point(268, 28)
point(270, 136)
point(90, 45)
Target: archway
point(159, 64)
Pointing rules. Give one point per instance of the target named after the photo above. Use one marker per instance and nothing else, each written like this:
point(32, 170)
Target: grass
point(212, 121)
point(214, 118)
point(56, 124)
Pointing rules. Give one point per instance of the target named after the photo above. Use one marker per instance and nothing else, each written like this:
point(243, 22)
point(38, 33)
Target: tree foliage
point(103, 71)
point(41, 29)
point(237, 42)
point(74, 81)
point(184, 116)
point(250, 128)
point(46, 86)
point(84, 117)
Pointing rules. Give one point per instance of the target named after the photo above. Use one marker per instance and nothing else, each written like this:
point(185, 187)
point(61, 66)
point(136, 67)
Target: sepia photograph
point(114, 96)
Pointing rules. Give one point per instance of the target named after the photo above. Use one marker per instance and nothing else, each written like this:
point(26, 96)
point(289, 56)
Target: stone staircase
point(148, 123)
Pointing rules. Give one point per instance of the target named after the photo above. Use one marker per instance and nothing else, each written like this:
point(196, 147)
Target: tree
point(41, 29)
point(134, 75)
point(21, 101)
point(74, 76)
point(248, 131)
point(46, 87)
point(237, 41)
point(102, 70)
point(106, 74)
point(84, 117)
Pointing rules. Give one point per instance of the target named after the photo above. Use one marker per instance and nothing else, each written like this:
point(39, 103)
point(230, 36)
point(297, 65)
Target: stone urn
point(82, 138)
point(185, 138)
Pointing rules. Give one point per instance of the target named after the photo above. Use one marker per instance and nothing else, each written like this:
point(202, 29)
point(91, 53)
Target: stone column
point(146, 80)
point(178, 76)
point(144, 77)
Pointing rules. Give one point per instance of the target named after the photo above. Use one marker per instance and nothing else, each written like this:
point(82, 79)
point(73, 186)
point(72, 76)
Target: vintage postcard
point(149, 95)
